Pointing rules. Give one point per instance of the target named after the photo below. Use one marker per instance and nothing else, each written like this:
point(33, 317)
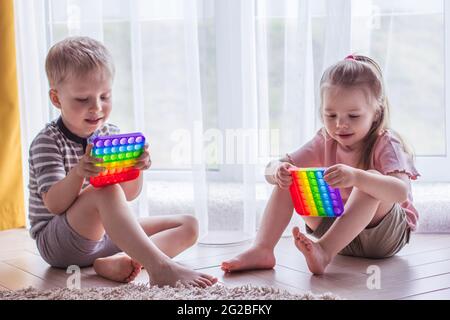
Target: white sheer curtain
point(237, 124)
point(228, 195)
point(222, 87)
point(31, 33)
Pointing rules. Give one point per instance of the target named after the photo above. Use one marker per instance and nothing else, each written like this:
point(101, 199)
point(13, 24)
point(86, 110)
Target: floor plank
point(443, 294)
point(420, 271)
point(409, 288)
point(15, 279)
point(36, 266)
point(201, 251)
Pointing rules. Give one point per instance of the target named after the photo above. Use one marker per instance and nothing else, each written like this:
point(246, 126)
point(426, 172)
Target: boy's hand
point(86, 167)
point(283, 175)
point(340, 176)
point(144, 162)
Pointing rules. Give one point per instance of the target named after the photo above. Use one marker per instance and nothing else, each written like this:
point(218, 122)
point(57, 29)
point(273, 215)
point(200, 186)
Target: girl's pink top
point(388, 157)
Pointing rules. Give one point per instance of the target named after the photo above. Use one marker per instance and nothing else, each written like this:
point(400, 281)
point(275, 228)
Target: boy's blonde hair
point(364, 72)
point(76, 56)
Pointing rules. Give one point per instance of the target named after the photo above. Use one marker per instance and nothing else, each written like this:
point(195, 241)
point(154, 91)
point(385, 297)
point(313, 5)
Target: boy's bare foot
point(316, 258)
point(253, 258)
point(119, 267)
point(173, 272)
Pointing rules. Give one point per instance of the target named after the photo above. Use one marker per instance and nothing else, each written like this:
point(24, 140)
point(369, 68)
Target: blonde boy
point(76, 224)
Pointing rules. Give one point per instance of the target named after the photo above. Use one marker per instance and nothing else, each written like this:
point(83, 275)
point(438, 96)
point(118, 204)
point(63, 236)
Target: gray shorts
point(61, 246)
point(381, 241)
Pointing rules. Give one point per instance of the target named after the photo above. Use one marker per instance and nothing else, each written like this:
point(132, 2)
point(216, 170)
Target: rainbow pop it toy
point(119, 153)
point(312, 196)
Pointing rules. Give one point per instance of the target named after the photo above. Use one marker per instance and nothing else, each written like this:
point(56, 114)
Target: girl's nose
point(341, 124)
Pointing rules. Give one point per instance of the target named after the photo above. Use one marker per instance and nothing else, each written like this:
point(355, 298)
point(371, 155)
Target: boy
point(76, 224)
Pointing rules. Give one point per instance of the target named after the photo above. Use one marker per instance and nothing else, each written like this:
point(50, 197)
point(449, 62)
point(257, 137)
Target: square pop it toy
point(119, 153)
point(312, 196)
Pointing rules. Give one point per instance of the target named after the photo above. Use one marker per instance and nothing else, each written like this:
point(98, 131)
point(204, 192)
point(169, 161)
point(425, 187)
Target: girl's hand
point(144, 162)
point(340, 176)
point(283, 176)
point(86, 167)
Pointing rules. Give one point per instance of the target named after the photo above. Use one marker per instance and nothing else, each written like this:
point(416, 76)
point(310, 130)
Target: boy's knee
point(108, 192)
point(190, 224)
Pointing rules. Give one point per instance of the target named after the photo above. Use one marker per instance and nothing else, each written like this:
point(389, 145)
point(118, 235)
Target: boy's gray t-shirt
point(54, 151)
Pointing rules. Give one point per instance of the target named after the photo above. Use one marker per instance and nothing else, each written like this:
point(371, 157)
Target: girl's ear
point(53, 94)
point(377, 114)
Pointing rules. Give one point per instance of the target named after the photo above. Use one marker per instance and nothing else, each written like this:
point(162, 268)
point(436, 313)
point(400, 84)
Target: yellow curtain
point(12, 207)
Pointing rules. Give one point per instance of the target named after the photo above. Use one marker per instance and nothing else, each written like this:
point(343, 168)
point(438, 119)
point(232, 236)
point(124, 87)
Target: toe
point(137, 271)
point(206, 281)
point(296, 232)
point(225, 266)
point(131, 277)
point(212, 279)
point(136, 264)
point(301, 236)
point(200, 282)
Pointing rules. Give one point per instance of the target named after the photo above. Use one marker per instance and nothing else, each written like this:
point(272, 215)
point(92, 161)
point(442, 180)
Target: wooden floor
point(420, 271)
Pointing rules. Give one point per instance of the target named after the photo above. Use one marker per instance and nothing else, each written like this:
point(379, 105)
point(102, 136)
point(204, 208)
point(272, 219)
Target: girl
point(368, 161)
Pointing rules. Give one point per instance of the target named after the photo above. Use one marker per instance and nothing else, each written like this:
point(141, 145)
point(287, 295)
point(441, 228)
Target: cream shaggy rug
point(144, 292)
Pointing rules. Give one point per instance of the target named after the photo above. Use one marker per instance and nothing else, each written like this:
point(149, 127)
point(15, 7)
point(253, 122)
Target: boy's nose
point(96, 106)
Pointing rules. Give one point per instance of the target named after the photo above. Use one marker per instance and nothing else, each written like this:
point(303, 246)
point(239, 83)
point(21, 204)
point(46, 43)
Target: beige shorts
point(381, 241)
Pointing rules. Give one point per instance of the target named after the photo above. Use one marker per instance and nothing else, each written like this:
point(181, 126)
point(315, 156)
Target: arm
point(62, 194)
point(388, 188)
point(133, 188)
point(271, 170)
point(277, 172)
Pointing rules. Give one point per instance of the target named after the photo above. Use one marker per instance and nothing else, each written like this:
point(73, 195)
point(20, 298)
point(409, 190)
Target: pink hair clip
point(350, 57)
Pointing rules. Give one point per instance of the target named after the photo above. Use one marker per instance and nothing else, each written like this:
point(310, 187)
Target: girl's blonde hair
point(76, 56)
point(364, 72)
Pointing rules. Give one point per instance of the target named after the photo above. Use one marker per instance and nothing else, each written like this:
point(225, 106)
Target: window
point(162, 69)
point(406, 38)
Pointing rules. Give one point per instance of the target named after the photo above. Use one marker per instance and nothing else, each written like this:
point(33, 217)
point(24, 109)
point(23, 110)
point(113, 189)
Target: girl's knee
point(361, 194)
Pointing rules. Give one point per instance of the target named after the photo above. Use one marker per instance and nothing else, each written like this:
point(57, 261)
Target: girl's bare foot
point(172, 273)
point(253, 258)
point(316, 258)
point(119, 267)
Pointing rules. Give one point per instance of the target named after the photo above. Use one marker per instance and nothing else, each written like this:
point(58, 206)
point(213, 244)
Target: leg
point(119, 267)
point(97, 210)
point(171, 234)
point(312, 222)
point(361, 211)
point(276, 217)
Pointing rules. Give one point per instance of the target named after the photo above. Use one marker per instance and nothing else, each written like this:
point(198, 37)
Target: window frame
point(432, 168)
point(435, 168)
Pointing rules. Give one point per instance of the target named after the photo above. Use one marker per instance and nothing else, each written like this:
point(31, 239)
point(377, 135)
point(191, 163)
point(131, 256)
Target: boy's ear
point(53, 94)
